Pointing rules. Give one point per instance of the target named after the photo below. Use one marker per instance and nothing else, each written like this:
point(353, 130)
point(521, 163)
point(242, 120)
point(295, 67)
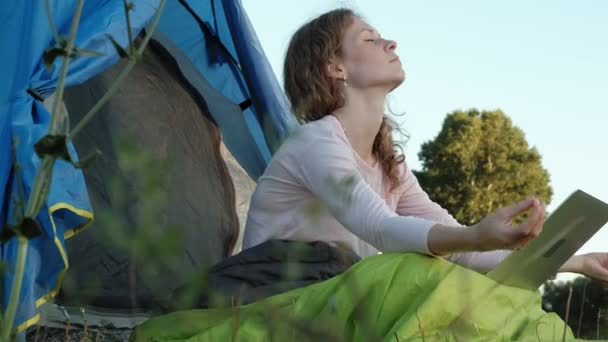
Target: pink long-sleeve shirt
point(317, 188)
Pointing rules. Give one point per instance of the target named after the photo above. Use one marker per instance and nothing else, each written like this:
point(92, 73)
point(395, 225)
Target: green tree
point(480, 162)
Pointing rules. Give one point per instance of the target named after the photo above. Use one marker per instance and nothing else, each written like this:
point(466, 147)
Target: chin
point(397, 82)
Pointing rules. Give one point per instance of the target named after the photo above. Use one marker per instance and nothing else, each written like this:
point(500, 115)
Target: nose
point(391, 45)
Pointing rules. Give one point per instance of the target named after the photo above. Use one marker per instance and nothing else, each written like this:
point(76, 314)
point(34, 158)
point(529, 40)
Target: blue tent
point(212, 43)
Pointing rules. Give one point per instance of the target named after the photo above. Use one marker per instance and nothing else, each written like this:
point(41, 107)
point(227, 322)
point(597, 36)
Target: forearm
point(574, 265)
point(482, 262)
point(461, 246)
point(444, 240)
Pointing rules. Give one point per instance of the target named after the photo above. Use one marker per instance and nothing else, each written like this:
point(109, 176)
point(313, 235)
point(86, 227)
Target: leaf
point(119, 49)
point(7, 232)
point(30, 228)
point(55, 145)
point(90, 53)
point(87, 161)
point(50, 55)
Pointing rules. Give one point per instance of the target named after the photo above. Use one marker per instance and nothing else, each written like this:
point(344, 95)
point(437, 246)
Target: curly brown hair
point(313, 94)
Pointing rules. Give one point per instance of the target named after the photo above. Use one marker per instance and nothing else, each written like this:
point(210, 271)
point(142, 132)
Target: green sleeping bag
point(390, 297)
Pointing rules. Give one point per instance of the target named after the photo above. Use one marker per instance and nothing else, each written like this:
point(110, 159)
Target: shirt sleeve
point(415, 201)
point(328, 170)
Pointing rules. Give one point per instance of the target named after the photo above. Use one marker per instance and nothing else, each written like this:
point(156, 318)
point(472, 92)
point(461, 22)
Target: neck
point(361, 117)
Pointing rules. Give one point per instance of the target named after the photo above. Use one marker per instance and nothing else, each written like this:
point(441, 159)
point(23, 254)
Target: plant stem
point(55, 117)
point(91, 113)
point(41, 183)
point(599, 315)
point(129, 34)
point(152, 28)
point(580, 317)
point(567, 313)
point(51, 23)
point(7, 324)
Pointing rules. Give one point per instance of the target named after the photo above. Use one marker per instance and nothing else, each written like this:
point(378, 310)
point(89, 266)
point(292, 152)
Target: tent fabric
point(212, 42)
point(204, 35)
point(390, 297)
point(163, 117)
point(241, 132)
point(272, 107)
point(232, 59)
point(25, 36)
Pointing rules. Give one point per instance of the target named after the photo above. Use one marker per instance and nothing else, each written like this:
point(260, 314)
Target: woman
point(338, 71)
point(338, 179)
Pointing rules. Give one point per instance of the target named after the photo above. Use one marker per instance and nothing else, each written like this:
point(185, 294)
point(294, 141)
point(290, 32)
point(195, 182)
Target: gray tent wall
point(167, 114)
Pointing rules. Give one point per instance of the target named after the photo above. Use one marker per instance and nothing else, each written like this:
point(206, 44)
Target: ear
point(335, 70)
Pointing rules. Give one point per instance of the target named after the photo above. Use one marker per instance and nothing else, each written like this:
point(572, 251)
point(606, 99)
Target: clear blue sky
point(544, 63)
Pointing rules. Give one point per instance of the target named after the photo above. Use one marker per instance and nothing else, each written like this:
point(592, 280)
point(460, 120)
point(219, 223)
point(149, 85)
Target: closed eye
point(375, 39)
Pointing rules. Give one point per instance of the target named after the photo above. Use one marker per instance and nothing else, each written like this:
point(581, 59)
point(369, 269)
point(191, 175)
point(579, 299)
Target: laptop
point(564, 232)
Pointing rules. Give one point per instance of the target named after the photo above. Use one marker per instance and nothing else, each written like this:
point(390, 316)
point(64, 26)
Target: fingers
point(538, 226)
point(602, 274)
point(531, 227)
point(523, 241)
point(592, 267)
point(533, 224)
point(603, 259)
point(517, 208)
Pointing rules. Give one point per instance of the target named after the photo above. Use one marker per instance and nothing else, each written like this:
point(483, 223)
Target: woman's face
point(368, 60)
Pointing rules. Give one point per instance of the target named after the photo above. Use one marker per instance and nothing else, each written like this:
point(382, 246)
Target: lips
point(396, 59)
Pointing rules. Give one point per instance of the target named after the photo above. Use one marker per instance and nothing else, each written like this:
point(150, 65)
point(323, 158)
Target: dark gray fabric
point(227, 115)
point(271, 268)
point(155, 110)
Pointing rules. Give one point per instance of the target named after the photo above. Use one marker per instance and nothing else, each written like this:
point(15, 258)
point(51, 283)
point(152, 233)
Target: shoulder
point(316, 149)
point(313, 137)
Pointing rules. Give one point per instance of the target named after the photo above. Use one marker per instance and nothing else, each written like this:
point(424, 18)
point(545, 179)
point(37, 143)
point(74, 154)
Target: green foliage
point(480, 162)
point(588, 312)
point(147, 239)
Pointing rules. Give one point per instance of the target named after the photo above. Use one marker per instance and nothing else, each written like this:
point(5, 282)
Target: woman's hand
point(495, 231)
point(592, 265)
